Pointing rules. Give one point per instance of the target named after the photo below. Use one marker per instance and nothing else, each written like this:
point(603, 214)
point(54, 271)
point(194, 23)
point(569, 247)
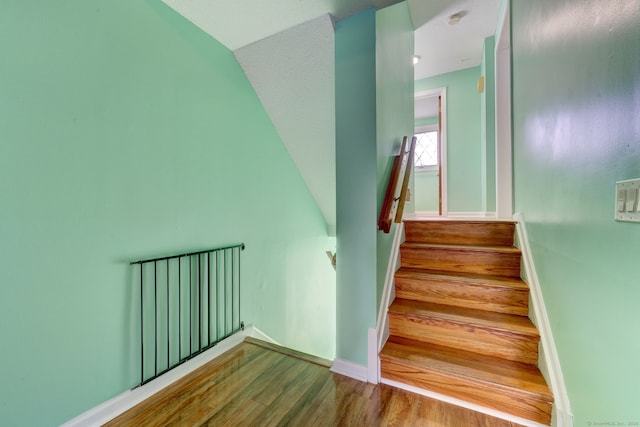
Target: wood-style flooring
point(252, 385)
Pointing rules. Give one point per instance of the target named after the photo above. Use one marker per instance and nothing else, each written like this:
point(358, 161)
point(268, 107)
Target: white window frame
point(422, 129)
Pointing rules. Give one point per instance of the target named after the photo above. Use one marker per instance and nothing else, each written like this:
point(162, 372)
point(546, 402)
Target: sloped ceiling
point(286, 49)
point(292, 73)
point(237, 23)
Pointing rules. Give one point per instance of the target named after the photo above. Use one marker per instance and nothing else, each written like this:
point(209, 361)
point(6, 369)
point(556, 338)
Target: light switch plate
point(627, 207)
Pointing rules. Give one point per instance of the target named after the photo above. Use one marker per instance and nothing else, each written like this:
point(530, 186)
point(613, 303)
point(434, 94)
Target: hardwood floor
point(256, 386)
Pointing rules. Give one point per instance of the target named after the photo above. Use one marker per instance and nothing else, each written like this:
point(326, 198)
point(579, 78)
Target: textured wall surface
point(293, 74)
point(576, 95)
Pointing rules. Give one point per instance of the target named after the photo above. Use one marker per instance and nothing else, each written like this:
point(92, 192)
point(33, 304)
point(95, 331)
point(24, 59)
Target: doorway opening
point(430, 182)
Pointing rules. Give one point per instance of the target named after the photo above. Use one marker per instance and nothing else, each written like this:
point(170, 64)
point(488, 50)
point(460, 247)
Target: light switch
point(632, 197)
point(627, 206)
point(622, 198)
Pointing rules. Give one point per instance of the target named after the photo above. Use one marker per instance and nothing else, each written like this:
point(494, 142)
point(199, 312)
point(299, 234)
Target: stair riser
point(483, 340)
point(449, 292)
point(509, 400)
point(462, 261)
point(460, 233)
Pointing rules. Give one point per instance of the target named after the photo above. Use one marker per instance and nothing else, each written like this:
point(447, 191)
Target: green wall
point(488, 125)
point(127, 133)
point(394, 113)
point(464, 163)
point(426, 191)
point(374, 109)
point(576, 105)
point(356, 192)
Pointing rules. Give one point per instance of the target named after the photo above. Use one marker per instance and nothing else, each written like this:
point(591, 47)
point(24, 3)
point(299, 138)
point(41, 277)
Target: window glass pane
point(426, 153)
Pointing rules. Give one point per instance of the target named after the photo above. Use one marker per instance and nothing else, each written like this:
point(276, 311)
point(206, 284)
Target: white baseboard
point(388, 292)
point(423, 213)
point(258, 334)
point(463, 404)
point(373, 361)
point(110, 409)
point(350, 369)
point(467, 215)
point(460, 215)
point(562, 409)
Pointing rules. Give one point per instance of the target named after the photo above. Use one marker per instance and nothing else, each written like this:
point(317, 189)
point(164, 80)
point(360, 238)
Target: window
point(426, 154)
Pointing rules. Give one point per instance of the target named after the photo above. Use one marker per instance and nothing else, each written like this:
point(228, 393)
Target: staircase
point(459, 324)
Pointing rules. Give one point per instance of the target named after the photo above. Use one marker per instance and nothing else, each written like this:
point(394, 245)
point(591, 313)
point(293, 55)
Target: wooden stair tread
point(462, 248)
point(497, 372)
point(459, 323)
point(470, 232)
point(507, 322)
point(467, 278)
point(441, 219)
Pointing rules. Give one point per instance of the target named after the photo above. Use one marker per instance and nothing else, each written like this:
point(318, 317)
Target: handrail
point(188, 303)
point(407, 177)
point(394, 199)
point(239, 245)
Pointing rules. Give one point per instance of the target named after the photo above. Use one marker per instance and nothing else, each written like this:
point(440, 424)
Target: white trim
point(462, 403)
point(442, 92)
point(388, 292)
point(110, 409)
point(373, 361)
point(426, 128)
point(424, 213)
point(504, 171)
point(350, 369)
point(489, 215)
point(564, 417)
point(258, 334)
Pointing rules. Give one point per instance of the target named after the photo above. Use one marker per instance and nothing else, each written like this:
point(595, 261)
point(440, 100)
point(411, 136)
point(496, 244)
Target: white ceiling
point(444, 48)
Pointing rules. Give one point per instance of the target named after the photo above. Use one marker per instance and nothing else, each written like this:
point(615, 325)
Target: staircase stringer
point(548, 354)
point(388, 292)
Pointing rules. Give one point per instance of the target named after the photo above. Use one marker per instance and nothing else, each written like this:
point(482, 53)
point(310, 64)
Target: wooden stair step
point(515, 388)
point(502, 335)
point(490, 260)
point(462, 232)
point(483, 292)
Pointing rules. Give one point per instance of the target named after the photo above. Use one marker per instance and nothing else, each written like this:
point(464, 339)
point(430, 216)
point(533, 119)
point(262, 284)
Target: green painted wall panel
point(576, 103)
point(127, 133)
point(356, 177)
point(426, 193)
point(394, 113)
point(464, 163)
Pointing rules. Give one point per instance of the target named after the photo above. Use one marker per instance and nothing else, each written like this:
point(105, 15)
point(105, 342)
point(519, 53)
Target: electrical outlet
point(628, 200)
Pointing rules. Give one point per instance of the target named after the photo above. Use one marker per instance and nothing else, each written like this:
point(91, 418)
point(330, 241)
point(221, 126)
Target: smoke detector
point(456, 17)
